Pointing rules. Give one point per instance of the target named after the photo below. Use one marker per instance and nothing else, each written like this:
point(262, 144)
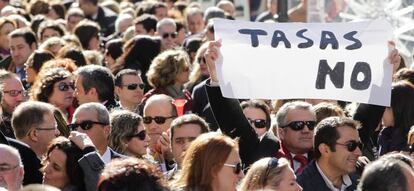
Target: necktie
point(303, 162)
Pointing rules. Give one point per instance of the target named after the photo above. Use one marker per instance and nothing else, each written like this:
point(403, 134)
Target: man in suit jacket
point(93, 119)
point(337, 148)
point(103, 16)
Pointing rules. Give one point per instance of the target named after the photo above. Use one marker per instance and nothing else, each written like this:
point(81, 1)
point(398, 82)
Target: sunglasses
point(158, 119)
point(85, 125)
point(299, 125)
point(15, 93)
point(258, 123)
point(141, 135)
point(237, 168)
point(134, 86)
point(172, 35)
point(62, 86)
point(273, 162)
point(352, 145)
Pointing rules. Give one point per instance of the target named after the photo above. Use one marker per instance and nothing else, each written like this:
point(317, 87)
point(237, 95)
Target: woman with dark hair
point(74, 53)
point(113, 52)
point(72, 164)
point(50, 28)
point(6, 26)
point(131, 174)
point(128, 135)
point(168, 73)
point(211, 163)
point(55, 86)
point(35, 62)
point(139, 57)
point(57, 11)
point(398, 118)
point(88, 34)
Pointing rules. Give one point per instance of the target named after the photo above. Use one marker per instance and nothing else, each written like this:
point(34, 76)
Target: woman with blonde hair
point(270, 174)
point(167, 75)
point(211, 163)
point(200, 71)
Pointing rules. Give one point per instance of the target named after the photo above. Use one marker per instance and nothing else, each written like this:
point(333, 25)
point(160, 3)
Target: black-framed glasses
point(258, 123)
point(62, 86)
point(134, 86)
point(237, 168)
point(352, 145)
point(15, 93)
point(172, 35)
point(158, 119)
point(85, 125)
point(141, 135)
point(299, 125)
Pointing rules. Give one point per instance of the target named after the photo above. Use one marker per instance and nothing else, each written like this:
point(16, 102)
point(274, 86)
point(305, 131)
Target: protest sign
point(342, 61)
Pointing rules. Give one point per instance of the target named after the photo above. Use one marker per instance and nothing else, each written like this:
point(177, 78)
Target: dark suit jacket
point(106, 19)
point(115, 155)
point(31, 163)
point(233, 123)
point(311, 180)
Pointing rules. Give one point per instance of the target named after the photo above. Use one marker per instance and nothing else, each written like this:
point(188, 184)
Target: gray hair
point(121, 18)
point(284, 110)
point(13, 151)
point(164, 22)
point(102, 112)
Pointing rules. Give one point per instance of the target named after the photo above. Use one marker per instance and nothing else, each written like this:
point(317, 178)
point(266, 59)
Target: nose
point(186, 145)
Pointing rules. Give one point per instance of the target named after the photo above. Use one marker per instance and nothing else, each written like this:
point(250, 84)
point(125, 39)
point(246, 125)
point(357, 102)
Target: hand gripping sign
point(342, 61)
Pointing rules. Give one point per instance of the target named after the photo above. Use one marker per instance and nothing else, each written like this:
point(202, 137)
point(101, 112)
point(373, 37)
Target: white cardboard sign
point(342, 61)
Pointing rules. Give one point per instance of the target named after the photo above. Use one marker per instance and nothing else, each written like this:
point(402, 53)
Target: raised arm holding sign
point(342, 61)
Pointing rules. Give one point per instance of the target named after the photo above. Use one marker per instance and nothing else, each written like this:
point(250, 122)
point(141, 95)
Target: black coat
point(106, 20)
point(31, 163)
point(233, 123)
point(201, 106)
point(311, 180)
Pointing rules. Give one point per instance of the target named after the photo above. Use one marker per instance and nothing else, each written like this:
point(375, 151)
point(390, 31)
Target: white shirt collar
point(346, 181)
point(106, 157)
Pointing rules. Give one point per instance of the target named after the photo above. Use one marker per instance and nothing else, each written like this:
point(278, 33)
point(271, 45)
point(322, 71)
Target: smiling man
point(337, 148)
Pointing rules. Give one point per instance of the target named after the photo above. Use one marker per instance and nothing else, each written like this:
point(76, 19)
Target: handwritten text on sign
point(343, 61)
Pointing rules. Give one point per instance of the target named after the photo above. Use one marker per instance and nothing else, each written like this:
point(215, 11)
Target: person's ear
point(281, 132)
point(92, 92)
point(324, 149)
point(117, 90)
point(33, 135)
point(107, 130)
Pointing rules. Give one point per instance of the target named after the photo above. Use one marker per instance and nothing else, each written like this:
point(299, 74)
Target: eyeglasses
point(258, 123)
point(85, 125)
point(237, 168)
point(62, 86)
point(15, 93)
point(299, 125)
point(201, 60)
point(172, 35)
point(134, 86)
point(158, 119)
point(4, 168)
point(141, 135)
point(273, 162)
point(352, 145)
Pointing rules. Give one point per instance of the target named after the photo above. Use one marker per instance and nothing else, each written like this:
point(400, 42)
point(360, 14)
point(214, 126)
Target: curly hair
point(131, 174)
point(124, 124)
point(43, 86)
point(166, 66)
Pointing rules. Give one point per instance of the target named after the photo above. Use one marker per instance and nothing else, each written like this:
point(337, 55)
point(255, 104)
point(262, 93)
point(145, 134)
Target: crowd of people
point(108, 95)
